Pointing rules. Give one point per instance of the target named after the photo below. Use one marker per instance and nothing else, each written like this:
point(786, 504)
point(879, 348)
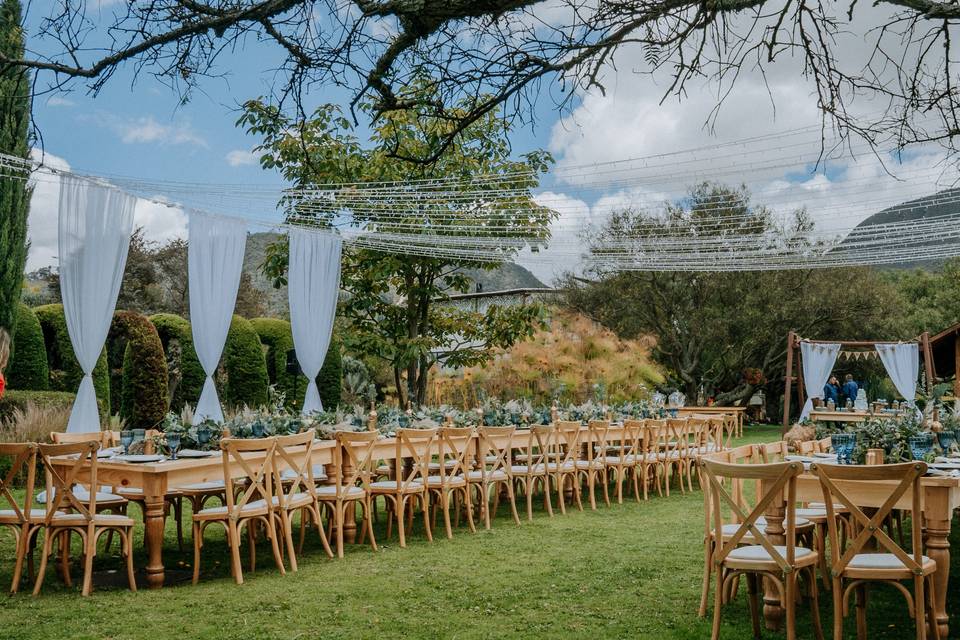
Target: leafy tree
point(394, 303)
point(482, 56)
point(138, 367)
point(14, 140)
point(727, 331)
point(929, 298)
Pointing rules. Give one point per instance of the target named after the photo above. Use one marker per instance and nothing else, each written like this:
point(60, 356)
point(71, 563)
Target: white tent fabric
point(95, 224)
point(902, 362)
point(818, 361)
point(313, 281)
point(215, 259)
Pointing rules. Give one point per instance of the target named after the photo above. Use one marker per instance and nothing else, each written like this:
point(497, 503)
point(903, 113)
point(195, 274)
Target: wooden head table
point(839, 416)
point(156, 479)
point(941, 495)
point(738, 412)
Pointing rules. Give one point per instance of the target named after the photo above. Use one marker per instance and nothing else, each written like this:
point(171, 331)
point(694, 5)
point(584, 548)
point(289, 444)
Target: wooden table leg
point(350, 515)
point(772, 611)
point(938, 549)
point(153, 519)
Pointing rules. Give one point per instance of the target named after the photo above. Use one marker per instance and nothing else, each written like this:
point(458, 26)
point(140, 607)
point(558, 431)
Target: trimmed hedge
point(277, 336)
point(138, 366)
point(243, 367)
point(65, 372)
point(28, 355)
point(19, 399)
point(177, 339)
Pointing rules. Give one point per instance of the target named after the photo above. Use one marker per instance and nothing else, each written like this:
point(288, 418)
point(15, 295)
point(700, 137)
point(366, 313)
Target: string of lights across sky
point(490, 217)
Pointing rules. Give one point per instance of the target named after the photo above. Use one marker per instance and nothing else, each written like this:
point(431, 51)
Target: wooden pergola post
point(927, 359)
point(788, 382)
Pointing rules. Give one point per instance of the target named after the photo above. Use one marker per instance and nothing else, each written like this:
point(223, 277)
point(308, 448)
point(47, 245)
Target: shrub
point(243, 378)
point(277, 336)
point(17, 399)
point(65, 372)
point(28, 356)
point(138, 370)
point(24, 420)
point(185, 375)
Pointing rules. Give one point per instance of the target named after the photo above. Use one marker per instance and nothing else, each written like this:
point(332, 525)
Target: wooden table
point(156, 479)
point(839, 416)
point(941, 495)
point(738, 412)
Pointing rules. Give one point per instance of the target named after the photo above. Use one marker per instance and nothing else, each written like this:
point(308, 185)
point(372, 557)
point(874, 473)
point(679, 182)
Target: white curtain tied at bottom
point(95, 223)
point(313, 281)
point(902, 362)
point(818, 361)
point(215, 259)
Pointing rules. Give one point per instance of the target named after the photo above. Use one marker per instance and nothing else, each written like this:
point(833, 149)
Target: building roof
point(943, 347)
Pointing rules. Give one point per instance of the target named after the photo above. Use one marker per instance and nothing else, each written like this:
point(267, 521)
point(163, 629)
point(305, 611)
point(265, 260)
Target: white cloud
point(242, 158)
point(147, 129)
point(159, 221)
point(58, 101)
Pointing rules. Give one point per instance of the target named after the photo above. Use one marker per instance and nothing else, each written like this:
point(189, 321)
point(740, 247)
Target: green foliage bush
point(277, 336)
point(185, 373)
point(28, 356)
point(138, 369)
point(65, 372)
point(19, 399)
point(243, 378)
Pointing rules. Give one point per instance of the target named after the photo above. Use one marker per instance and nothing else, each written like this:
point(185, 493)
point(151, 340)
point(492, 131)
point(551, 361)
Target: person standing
point(850, 388)
point(4, 358)
point(831, 391)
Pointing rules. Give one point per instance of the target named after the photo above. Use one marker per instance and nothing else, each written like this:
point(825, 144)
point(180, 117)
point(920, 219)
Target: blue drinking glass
point(920, 445)
point(203, 434)
point(947, 440)
point(173, 443)
point(126, 439)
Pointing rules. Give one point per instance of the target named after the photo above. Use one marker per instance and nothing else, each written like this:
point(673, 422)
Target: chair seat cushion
point(435, 466)
point(620, 460)
point(731, 528)
point(757, 553)
point(199, 487)
point(812, 514)
point(83, 495)
point(569, 465)
point(249, 509)
point(526, 470)
point(477, 476)
point(329, 492)
point(393, 486)
point(9, 515)
point(599, 463)
point(318, 473)
point(887, 561)
point(101, 519)
point(452, 481)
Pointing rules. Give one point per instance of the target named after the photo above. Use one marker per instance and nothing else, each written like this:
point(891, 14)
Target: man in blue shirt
point(850, 388)
point(831, 391)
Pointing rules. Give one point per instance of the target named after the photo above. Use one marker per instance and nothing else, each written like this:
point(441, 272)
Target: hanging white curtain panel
point(902, 362)
point(215, 260)
point(818, 361)
point(95, 224)
point(313, 281)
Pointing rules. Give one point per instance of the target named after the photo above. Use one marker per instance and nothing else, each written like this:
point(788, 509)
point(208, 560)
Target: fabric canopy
point(313, 280)
point(215, 259)
point(818, 361)
point(902, 362)
point(95, 224)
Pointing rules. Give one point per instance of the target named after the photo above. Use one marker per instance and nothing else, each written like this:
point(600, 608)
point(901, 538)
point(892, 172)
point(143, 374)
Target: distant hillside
point(939, 204)
point(507, 276)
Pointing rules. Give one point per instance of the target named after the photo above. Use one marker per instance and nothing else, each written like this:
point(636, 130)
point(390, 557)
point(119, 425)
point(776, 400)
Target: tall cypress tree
point(14, 140)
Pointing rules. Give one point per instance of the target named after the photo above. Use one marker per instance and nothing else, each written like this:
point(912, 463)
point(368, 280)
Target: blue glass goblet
point(947, 440)
point(173, 443)
point(203, 434)
point(920, 445)
point(126, 439)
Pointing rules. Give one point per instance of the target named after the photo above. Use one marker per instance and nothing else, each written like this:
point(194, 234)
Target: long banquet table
point(941, 495)
point(156, 479)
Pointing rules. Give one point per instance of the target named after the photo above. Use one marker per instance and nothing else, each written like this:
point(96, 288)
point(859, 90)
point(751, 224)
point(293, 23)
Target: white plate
point(193, 453)
point(946, 466)
point(824, 455)
point(139, 458)
point(105, 453)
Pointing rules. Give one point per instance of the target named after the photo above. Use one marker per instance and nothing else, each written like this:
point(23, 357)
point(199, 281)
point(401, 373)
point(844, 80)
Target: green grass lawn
point(626, 571)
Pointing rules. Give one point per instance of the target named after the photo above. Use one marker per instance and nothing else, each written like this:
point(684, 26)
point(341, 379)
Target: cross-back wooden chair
point(535, 455)
point(654, 446)
point(250, 502)
point(295, 490)
point(410, 486)
point(625, 458)
point(871, 554)
point(569, 442)
point(19, 515)
point(83, 517)
point(765, 556)
point(353, 468)
point(450, 481)
point(495, 471)
point(716, 440)
point(594, 468)
point(677, 453)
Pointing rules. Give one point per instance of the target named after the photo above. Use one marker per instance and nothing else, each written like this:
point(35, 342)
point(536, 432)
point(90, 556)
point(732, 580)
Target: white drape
point(215, 257)
point(95, 223)
point(313, 281)
point(902, 362)
point(818, 361)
